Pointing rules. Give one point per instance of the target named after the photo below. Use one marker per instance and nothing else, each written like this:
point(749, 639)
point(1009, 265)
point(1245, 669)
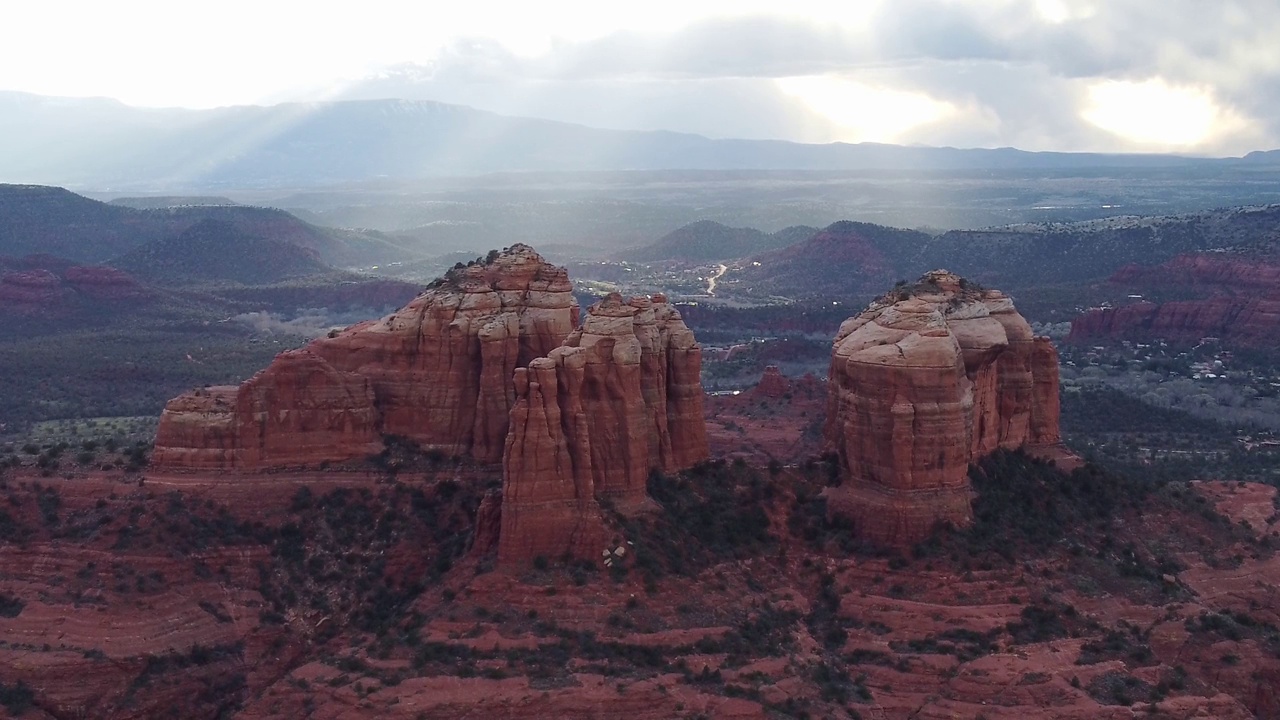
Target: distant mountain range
point(103, 144)
point(54, 221)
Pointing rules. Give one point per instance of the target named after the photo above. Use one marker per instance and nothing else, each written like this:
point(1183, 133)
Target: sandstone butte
point(438, 372)
point(620, 397)
point(928, 379)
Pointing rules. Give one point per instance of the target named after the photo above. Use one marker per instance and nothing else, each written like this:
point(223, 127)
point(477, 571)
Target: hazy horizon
point(1042, 75)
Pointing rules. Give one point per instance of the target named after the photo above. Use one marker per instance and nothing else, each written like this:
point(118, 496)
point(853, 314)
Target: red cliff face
point(1249, 320)
point(619, 398)
point(924, 382)
point(1241, 303)
point(1045, 398)
point(299, 411)
point(439, 371)
point(549, 506)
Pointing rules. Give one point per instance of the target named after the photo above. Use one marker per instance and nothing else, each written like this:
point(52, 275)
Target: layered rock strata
point(621, 397)
point(1243, 320)
point(926, 380)
point(299, 411)
point(438, 372)
point(1234, 298)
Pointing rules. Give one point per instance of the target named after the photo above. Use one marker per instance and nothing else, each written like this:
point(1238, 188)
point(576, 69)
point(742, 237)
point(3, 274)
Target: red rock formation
point(772, 383)
point(488, 523)
point(1249, 320)
point(199, 430)
point(299, 411)
point(1045, 399)
point(619, 398)
point(31, 287)
point(104, 283)
point(47, 285)
point(680, 353)
point(764, 428)
point(439, 369)
point(1240, 303)
point(925, 381)
point(549, 506)
point(163, 609)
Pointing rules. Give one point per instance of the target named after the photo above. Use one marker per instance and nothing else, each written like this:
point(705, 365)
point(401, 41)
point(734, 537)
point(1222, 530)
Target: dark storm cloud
point(1019, 79)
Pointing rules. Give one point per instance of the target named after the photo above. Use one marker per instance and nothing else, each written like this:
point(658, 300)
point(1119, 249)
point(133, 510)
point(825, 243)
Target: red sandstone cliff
point(1240, 303)
point(549, 506)
point(622, 396)
point(925, 381)
point(299, 411)
point(1252, 320)
point(438, 372)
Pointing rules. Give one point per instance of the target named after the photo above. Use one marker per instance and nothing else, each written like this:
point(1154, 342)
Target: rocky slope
point(439, 370)
point(621, 397)
point(925, 381)
point(710, 241)
point(842, 260)
point(350, 595)
point(219, 251)
point(780, 420)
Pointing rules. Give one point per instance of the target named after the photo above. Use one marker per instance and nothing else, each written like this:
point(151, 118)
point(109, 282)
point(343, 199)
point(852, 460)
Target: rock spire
point(621, 397)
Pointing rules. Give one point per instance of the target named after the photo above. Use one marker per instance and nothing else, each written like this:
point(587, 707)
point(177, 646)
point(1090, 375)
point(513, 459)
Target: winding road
point(711, 281)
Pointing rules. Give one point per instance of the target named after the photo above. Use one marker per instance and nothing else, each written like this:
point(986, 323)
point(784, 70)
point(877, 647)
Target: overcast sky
point(1192, 76)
